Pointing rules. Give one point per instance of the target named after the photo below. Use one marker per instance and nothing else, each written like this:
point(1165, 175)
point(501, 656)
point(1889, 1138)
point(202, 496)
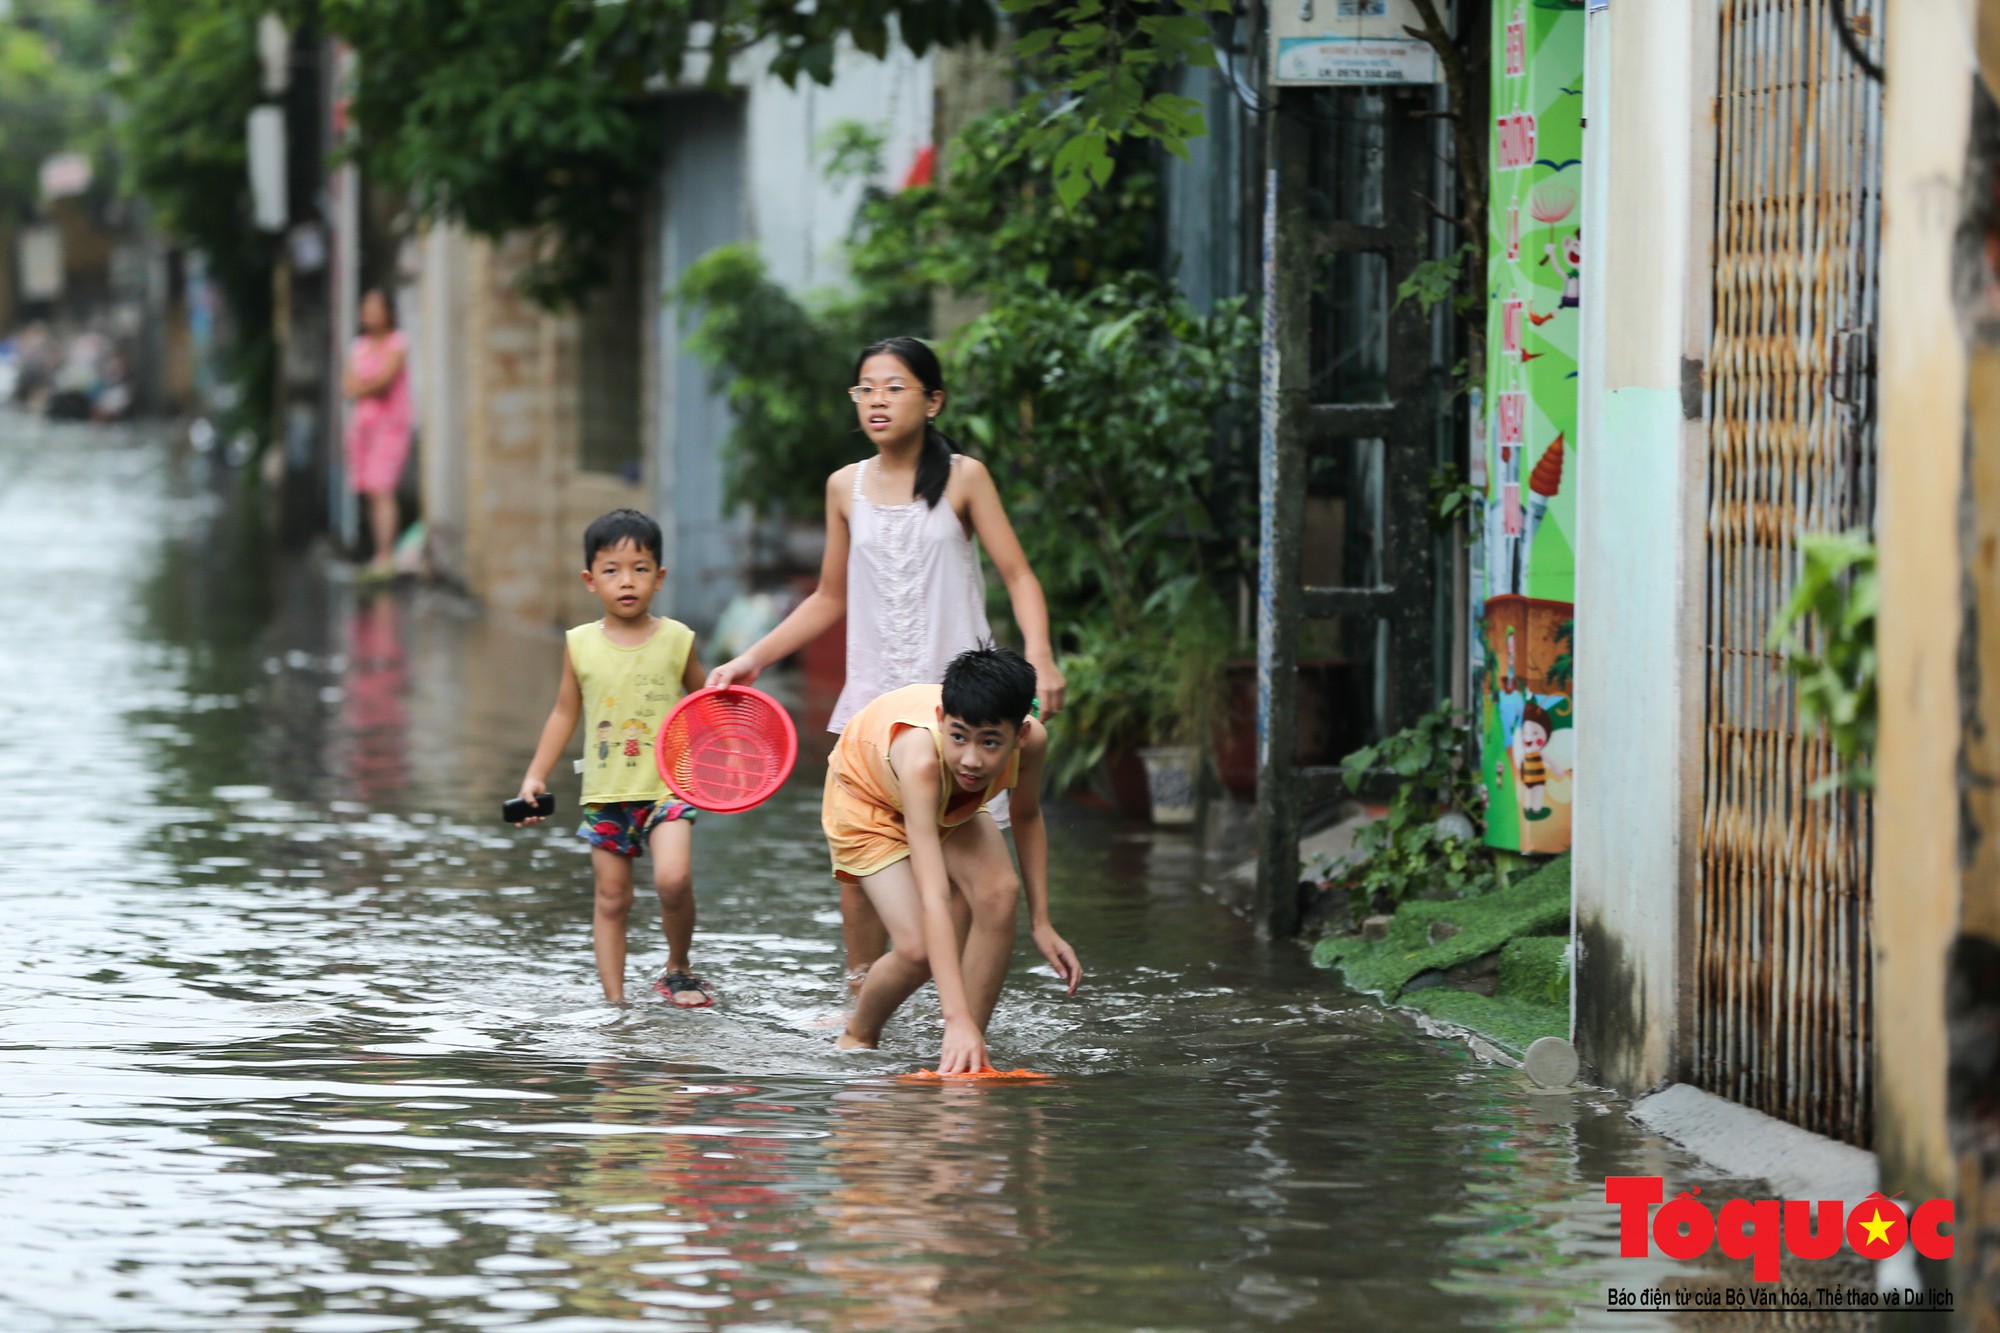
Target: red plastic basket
point(726, 750)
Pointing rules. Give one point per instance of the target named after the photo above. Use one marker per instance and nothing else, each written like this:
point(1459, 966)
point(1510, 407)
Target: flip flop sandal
point(675, 984)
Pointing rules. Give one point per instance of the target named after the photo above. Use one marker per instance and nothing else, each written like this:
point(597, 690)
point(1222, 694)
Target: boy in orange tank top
point(904, 816)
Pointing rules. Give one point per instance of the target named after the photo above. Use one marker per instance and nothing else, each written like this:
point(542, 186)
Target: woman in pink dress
point(901, 566)
point(378, 425)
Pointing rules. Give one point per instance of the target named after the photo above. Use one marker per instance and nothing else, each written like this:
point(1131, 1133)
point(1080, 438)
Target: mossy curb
point(1526, 923)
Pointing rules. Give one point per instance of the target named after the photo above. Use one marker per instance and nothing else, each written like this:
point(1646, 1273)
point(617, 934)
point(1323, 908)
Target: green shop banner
point(1524, 564)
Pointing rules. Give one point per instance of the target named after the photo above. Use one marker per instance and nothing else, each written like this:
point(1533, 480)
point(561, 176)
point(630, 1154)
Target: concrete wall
point(969, 82)
point(440, 380)
point(798, 217)
point(1648, 146)
point(704, 204)
point(754, 171)
point(526, 500)
point(1937, 807)
point(509, 473)
point(1923, 370)
point(502, 484)
point(1204, 197)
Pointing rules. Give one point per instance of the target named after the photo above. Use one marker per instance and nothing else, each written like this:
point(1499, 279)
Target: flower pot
point(1171, 774)
point(1125, 777)
point(1332, 720)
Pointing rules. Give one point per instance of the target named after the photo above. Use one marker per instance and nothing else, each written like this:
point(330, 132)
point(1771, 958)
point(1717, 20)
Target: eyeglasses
point(861, 391)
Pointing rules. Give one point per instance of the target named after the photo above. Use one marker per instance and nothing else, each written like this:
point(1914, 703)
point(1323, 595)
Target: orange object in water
point(988, 1072)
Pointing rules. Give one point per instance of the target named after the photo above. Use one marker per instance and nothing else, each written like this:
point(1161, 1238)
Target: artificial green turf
point(1536, 969)
point(1509, 1022)
point(1537, 904)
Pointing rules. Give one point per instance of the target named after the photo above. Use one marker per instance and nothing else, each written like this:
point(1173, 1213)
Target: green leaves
point(526, 115)
point(782, 364)
point(1826, 630)
point(1081, 163)
point(1159, 684)
point(1432, 281)
point(1412, 849)
point(539, 116)
point(992, 229)
point(1112, 413)
point(53, 93)
point(1096, 61)
point(191, 77)
point(1452, 499)
point(1098, 410)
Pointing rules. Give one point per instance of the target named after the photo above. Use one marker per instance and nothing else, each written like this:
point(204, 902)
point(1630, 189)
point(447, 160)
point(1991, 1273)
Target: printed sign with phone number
point(1354, 60)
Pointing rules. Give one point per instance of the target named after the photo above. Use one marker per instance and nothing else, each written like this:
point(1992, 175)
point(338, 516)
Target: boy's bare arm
point(555, 734)
point(913, 756)
point(693, 677)
point(1031, 840)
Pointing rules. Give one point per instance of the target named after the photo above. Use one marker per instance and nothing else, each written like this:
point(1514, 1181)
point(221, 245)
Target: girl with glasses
point(901, 566)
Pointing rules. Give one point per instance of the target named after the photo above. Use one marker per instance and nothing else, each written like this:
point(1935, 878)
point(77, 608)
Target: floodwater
point(296, 1035)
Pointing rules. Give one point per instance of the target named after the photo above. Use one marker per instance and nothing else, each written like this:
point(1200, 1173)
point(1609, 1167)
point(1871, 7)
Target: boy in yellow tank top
point(905, 818)
point(621, 676)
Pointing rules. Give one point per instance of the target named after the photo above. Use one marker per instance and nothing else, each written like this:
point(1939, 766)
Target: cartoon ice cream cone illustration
point(1543, 483)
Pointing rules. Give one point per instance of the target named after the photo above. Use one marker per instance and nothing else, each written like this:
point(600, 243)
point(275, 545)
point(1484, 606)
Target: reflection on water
point(294, 1034)
point(371, 737)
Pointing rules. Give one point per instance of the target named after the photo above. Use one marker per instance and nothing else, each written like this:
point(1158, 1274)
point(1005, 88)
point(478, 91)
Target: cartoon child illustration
point(604, 741)
point(1570, 264)
point(632, 732)
point(1529, 742)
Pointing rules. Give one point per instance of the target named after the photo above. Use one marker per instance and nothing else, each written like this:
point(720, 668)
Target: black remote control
point(517, 809)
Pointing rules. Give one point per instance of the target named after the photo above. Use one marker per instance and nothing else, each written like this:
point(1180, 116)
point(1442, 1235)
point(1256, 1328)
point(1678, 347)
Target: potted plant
point(1154, 694)
point(1187, 701)
point(1107, 711)
point(1109, 414)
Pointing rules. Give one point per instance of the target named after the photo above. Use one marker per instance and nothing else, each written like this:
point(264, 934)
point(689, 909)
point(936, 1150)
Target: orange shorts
point(862, 837)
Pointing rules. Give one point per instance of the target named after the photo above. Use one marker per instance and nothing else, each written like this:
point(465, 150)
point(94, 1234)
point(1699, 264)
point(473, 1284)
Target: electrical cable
point(1838, 13)
point(1225, 60)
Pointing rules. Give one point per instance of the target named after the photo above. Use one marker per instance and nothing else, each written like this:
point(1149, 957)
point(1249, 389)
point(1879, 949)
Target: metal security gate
point(1781, 961)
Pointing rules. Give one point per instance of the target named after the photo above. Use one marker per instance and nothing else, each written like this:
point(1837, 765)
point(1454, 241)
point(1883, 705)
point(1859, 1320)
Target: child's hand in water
point(964, 1050)
point(736, 671)
point(1061, 957)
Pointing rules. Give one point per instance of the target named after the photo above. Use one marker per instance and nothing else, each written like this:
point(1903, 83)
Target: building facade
point(1795, 236)
point(533, 422)
point(1723, 882)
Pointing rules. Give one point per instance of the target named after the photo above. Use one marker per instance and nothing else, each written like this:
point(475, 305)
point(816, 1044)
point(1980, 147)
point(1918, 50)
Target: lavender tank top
point(915, 597)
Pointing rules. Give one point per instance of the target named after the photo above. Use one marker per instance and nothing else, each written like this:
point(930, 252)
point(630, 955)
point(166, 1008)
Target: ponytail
point(934, 462)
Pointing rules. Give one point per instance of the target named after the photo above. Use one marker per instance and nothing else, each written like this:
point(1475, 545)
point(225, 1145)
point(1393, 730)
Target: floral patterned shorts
point(622, 826)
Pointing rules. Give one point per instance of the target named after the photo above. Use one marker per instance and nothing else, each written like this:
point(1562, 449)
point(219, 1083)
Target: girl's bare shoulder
point(840, 486)
point(969, 481)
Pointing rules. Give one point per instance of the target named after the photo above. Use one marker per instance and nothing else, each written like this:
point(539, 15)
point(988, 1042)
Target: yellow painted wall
point(1923, 378)
point(526, 501)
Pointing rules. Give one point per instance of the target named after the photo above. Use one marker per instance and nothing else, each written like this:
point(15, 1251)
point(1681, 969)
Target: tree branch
point(1470, 160)
point(1471, 177)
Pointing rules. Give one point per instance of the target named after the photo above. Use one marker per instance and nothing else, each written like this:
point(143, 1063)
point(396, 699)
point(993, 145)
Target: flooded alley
point(296, 1035)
